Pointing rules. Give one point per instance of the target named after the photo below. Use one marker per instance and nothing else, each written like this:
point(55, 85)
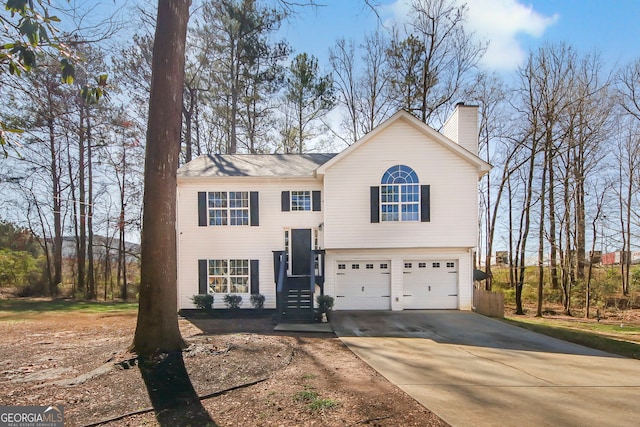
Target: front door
point(300, 252)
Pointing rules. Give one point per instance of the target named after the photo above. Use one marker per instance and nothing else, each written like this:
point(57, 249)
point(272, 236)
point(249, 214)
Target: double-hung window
point(228, 276)
point(301, 200)
point(228, 207)
point(400, 194)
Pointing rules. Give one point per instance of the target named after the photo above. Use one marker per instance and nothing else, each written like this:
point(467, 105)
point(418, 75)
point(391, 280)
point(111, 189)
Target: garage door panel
point(363, 285)
point(430, 284)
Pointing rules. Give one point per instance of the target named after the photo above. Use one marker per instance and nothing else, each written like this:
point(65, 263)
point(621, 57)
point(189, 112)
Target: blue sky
point(512, 26)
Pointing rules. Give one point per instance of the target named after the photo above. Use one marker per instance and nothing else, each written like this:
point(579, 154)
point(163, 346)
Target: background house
point(390, 223)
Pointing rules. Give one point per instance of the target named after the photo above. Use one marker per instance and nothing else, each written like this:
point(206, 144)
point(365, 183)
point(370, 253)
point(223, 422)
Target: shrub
point(257, 301)
point(19, 268)
point(233, 302)
point(203, 301)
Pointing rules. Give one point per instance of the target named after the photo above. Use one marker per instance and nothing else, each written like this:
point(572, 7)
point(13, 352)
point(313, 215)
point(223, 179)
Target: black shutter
point(315, 201)
point(286, 201)
point(375, 204)
point(425, 203)
point(203, 276)
point(255, 276)
point(202, 208)
point(254, 206)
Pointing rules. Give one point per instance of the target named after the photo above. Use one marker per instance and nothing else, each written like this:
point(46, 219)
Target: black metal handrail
point(312, 270)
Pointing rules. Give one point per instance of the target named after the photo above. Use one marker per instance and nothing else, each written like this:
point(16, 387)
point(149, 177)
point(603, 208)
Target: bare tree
point(629, 161)
point(432, 64)
point(628, 158)
point(490, 94)
point(343, 62)
point(363, 87)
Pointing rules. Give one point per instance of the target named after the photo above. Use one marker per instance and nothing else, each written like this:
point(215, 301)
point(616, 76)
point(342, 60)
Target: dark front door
point(300, 252)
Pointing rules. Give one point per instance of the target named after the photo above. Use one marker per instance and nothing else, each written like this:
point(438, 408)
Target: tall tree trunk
point(541, 230)
point(625, 256)
point(157, 326)
point(188, 120)
point(82, 238)
point(512, 279)
point(122, 254)
point(57, 212)
point(92, 292)
point(594, 230)
point(74, 207)
point(567, 257)
point(553, 246)
point(122, 258)
point(579, 166)
point(525, 223)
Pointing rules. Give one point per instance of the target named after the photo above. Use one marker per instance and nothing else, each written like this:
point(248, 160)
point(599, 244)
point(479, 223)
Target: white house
point(390, 223)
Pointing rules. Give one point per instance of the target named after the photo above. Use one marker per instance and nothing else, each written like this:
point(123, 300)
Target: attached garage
point(429, 284)
point(363, 285)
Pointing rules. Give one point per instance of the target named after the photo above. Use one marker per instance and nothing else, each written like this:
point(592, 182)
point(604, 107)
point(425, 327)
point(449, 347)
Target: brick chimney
point(462, 127)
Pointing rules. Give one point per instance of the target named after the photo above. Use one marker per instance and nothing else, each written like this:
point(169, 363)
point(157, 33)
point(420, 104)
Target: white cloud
point(501, 22)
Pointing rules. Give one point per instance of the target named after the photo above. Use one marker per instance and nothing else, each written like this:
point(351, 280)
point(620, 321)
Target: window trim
point(287, 201)
point(248, 212)
point(300, 200)
point(229, 207)
point(228, 276)
point(400, 195)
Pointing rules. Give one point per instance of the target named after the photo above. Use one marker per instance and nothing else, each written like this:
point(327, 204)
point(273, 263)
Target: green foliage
point(29, 34)
point(257, 301)
point(27, 306)
point(313, 400)
point(32, 31)
point(582, 337)
point(233, 302)
point(310, 95)
point(635, 278)
point(322, 404)
point(305, 396)
point(18, 239)
point(203, 301)
point(18, 268)
point(22, 263)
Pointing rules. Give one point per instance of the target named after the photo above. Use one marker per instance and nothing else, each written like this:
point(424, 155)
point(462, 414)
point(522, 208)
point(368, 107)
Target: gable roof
point(257, 165)
point(439, 138)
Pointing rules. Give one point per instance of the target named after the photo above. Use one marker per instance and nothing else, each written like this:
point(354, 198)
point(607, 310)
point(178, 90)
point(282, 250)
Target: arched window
point(400, 194)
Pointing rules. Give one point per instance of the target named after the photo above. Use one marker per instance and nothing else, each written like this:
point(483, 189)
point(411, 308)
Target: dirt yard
point(80, 361)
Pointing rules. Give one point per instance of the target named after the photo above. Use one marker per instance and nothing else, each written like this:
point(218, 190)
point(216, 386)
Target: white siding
point(453, 186)
point(347, 232)
point(462, 127)
point(237, 242)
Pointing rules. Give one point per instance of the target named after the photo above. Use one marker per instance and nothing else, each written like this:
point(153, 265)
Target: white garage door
point(430, 284)
point(363, 285)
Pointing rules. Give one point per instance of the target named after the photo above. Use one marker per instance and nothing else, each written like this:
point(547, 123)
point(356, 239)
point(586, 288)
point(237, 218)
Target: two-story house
point(390, 223)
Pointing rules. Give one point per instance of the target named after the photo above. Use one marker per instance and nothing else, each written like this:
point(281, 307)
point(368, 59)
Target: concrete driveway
point(475, 371)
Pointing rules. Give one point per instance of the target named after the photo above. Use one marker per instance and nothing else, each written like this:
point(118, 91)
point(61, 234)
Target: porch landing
point(304, 327)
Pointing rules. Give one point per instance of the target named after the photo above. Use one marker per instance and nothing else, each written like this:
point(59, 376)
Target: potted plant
point(257, 301)
point(324, 305)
